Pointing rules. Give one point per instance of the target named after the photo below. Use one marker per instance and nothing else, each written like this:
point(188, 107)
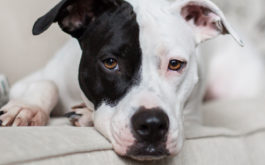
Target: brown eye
point(110, 63)
point(176, 65)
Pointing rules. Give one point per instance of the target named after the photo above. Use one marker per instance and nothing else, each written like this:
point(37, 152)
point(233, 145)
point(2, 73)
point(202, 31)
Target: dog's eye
point(176, 65)
point(110, 63)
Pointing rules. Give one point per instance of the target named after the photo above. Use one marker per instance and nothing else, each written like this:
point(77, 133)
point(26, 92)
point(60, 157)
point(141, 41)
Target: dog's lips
point(121, 141)
point(144, 151)
point(141, 151)
point(147, 158)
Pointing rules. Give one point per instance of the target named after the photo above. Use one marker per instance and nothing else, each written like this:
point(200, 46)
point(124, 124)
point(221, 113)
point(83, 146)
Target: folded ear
point(206, 20)
point(73, 16)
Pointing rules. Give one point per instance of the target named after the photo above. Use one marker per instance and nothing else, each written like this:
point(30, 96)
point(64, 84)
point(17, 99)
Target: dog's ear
point(73, 16)
point(206, 19)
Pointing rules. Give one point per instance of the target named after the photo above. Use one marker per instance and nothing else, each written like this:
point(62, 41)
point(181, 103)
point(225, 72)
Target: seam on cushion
point(53, 156)
point(261, 130)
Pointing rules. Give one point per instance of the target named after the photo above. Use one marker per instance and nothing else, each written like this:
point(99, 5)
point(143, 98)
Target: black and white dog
point(135, 68)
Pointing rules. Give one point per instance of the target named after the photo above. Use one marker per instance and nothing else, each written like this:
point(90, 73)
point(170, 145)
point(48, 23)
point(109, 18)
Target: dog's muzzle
point(150, 128)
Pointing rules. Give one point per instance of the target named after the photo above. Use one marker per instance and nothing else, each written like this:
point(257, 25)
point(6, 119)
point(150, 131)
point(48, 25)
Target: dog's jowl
point(139, 72)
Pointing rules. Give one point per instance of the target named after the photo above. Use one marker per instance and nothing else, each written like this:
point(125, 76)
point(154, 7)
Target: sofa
point(232, 132)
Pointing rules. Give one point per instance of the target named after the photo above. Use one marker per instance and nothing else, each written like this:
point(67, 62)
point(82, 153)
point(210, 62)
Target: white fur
point(164, 35)
point(234, 72)
point(55, 84)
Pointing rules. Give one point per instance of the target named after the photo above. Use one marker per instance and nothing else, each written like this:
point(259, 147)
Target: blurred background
point(22, 53)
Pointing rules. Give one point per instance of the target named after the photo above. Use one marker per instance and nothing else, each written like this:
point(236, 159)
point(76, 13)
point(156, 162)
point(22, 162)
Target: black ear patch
point(44, 22)
point(73, 16)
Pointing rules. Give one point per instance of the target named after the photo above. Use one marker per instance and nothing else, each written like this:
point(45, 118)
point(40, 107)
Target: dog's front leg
point(30, 104)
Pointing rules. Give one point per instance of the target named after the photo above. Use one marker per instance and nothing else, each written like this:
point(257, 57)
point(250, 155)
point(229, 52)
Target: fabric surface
point(232, 133)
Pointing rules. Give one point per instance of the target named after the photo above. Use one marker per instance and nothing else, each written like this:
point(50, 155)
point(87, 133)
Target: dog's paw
point(80, 116)
point(17, 113)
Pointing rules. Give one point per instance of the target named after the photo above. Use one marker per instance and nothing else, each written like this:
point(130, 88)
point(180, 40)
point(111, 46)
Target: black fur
point(44, 22)
point(115, 34)
point(81, 11)
point(107, 29)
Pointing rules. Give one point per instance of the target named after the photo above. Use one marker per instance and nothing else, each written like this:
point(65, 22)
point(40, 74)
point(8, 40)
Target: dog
point(133, 70)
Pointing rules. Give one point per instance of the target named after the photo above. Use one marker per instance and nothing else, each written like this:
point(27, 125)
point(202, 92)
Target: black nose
point(150, 125)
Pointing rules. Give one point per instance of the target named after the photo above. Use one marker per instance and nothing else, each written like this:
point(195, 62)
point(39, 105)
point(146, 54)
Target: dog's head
point(139, 65)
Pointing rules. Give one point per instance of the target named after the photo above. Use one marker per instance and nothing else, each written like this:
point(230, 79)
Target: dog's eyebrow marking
point(162, 53)
point(162, 50)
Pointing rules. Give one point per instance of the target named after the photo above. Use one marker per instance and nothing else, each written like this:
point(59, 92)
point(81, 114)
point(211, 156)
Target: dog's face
point(139, 65)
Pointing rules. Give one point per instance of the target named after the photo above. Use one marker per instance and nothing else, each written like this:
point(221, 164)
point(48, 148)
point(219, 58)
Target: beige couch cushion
point(233, 134)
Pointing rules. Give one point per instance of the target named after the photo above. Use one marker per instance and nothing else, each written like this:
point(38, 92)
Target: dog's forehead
point(162, 31)
point(143, 40)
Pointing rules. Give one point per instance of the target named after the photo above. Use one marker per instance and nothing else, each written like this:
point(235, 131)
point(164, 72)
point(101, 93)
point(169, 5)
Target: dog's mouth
point(144, 151)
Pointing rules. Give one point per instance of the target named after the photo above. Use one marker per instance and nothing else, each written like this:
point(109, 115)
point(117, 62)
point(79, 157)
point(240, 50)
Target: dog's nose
point(150, 125)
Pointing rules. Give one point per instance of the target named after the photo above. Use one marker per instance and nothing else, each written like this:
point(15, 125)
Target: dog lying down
point(135, 72)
